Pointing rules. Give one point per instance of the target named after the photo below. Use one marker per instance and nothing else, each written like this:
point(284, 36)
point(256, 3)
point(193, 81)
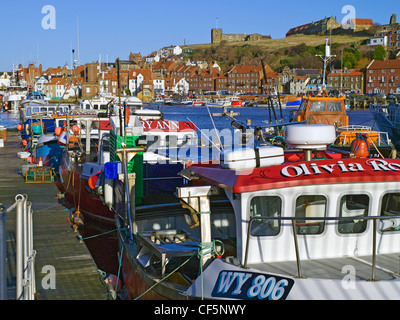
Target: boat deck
point(387, 266)
point(56, 244)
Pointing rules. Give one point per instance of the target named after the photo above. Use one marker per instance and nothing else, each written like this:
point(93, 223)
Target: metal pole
point(3, 264)
point(373, 250)
point(31, 254)
point(127, 192)
point(296, 246)
point(19, 248)
point(25, 247)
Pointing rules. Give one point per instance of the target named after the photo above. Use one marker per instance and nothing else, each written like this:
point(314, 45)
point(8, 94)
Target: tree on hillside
point(351, 57)
point(379, 53)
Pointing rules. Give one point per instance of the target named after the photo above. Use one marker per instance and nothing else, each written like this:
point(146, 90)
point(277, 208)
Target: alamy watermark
point(348, 19)
point(49, 20)
point(49, 280)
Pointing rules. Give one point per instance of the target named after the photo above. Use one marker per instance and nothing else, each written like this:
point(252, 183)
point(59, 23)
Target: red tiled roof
point(346, 73)
point(386, 64)
point(363, 22)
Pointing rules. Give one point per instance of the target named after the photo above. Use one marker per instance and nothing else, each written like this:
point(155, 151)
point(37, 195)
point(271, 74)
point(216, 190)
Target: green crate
point(39, 175)
point(135, 165)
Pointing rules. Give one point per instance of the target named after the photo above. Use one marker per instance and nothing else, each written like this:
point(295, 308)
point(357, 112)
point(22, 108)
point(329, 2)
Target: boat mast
point(325, 58)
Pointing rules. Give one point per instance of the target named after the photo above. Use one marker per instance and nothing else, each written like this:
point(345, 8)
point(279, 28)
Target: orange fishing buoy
point(24, 143)
point(73, 141)
point(126, 116)
point(93, 180)
point(360, 146)
point(58, 131)
point(20, 127)
point(75, 129)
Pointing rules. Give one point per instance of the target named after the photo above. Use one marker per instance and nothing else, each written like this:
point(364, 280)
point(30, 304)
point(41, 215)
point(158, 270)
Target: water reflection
point(9, 120)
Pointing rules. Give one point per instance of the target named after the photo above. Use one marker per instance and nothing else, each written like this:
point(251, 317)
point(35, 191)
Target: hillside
point(295, 51)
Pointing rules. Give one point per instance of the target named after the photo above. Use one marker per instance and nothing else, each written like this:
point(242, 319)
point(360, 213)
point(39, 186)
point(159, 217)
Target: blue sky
point(116, 28)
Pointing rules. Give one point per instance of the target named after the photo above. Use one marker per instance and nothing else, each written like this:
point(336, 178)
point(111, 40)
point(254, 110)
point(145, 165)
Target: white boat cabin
point(326, 207)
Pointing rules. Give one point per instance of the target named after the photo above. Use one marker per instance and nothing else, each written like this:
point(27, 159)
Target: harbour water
point(200, 116)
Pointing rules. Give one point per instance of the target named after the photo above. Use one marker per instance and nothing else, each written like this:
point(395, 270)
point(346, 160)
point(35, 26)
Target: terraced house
point(246, 79)
point(383, 77)
point(347, 80)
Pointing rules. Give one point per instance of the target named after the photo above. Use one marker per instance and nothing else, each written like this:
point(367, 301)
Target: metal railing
point(296, 247)
point(25, 255)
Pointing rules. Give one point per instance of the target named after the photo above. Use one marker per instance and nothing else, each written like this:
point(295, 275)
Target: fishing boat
point(292, 103)
point(387, 117)
point(49, 146)
point(228, 101)
point(221, 102)
point(12, 100)
point(237, 102)
point(198, 102)
point(154, 172)
point(265, 223)
point(325, 109)
point(36, 120)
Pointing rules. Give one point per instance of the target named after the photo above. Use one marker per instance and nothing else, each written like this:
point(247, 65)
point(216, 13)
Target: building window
point(353, 205)
point(310, 206)
point(266, 206)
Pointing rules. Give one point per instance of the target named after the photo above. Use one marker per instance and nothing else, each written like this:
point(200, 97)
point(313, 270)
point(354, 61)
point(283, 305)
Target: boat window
point(266, 206)
point(390, 207)
point(334, 106)
point(310, 206)
point(103, 107)
point(317, 106)
point(353, 205)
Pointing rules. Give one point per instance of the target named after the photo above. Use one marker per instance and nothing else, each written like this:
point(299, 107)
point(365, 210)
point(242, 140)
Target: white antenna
point(326, 58)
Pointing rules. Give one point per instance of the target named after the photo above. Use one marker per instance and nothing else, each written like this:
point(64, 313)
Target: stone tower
point(216, 35)
point(393, 19)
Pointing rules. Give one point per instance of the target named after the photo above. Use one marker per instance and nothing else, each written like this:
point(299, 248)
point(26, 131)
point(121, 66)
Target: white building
point(40, 82)
point(151, 59)
point(377, 41)
point(298, 85)
point(158, 84)
point(181, 87)
point(135, 84)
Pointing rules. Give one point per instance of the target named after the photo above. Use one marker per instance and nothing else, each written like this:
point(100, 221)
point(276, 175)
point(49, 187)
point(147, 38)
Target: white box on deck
point(134, 127)
point(250, 158)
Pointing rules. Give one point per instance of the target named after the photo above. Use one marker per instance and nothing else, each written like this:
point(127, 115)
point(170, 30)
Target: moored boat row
point(257, 221)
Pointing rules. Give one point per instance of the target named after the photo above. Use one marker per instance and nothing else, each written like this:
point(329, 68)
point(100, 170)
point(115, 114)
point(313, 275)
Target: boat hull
point(50, 153)
point(78, 193)
point(386, 125)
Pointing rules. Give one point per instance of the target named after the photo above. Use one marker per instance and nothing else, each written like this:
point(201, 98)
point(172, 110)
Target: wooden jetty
point(56, 243)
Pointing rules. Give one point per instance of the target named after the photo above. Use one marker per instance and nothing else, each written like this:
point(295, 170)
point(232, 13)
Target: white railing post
point(19, 249)
point(25, 255)
point(3, 264)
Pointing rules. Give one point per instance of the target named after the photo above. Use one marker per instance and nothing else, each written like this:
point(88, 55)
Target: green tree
point(379, 53)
